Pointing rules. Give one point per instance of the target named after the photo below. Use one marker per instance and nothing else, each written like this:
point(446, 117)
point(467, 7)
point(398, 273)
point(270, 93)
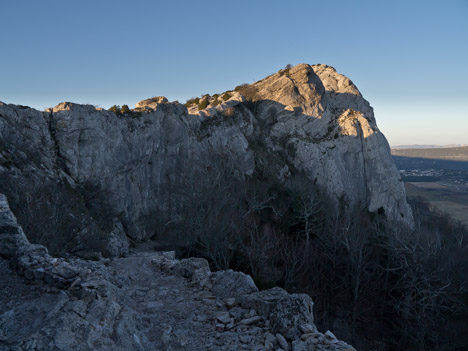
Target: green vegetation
point(192, 101)
point(226, 96)
point(115, 109)
point(249, 92)
point(203, 104)
point(241, 87)
point(125, 110)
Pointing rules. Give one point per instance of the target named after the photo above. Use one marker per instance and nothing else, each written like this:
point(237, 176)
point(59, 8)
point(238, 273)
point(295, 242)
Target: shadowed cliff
point(306, 120)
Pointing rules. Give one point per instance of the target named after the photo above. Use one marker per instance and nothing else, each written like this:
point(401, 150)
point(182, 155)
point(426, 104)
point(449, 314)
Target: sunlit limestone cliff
point(307, 120)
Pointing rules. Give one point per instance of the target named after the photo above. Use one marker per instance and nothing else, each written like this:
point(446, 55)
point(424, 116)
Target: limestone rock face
point(308, 119)
point(286, 312)
point(151, 104)
point(232, 284)
point(329, 132)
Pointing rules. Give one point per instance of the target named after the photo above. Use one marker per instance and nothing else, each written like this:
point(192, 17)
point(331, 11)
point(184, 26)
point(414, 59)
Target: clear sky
point(409, 58)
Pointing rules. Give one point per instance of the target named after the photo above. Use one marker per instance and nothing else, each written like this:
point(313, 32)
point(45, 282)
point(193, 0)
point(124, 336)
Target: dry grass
point(428, 185)
point(442, 198)
point(453, 209)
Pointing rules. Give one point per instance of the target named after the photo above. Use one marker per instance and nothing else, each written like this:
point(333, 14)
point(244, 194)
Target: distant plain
point(437, 175)
point(445, 199)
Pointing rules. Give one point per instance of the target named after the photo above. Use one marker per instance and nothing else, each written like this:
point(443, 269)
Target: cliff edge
point(307, 120)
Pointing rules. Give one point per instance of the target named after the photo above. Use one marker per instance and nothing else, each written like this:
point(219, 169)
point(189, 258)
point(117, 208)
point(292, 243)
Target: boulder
point(228, 284)
point(191, 268)
point(151, 104)
point(117, 244)
point(286, 312)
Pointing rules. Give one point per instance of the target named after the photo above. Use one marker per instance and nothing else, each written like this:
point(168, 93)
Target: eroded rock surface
point(146, 301)
point(307, 120)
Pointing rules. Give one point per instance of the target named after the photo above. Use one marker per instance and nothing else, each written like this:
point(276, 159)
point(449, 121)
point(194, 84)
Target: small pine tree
point(203, 104)
point(115, 109)
point(125, 110)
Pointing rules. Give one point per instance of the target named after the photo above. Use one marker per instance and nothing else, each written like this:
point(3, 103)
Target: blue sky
point(408, 58)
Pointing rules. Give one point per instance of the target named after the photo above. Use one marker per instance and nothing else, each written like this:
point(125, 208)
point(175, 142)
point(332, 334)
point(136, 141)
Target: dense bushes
point(203, 104)
point(192, 101)
point(241, 87)
point(249, 92)
point(116, 109)
point(124, 111)
point(375, 285)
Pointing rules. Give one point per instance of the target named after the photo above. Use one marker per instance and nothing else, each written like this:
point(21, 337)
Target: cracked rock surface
point(146, 301)
point(307, 120)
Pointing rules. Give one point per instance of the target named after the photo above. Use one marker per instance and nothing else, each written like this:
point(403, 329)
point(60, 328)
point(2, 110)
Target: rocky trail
point(145, 301)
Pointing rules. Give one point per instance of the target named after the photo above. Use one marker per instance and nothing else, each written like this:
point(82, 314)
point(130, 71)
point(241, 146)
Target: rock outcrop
point(306, 120)
point(146, 301)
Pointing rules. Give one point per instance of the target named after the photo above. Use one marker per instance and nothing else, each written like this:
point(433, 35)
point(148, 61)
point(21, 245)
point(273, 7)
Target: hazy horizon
point(407, 59)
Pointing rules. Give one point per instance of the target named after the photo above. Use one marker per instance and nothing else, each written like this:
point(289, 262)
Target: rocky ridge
point(307, 120)
point(146, 301)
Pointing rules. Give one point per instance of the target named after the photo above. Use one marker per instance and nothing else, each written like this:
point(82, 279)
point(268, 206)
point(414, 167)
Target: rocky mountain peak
point(304, 120)
point(335, 82)
point(296, 87)
point(302, 89)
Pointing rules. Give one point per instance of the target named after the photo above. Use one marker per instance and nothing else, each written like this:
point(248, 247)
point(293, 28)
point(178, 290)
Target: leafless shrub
point(208, 216)
point(386, 284)
point(62, 218)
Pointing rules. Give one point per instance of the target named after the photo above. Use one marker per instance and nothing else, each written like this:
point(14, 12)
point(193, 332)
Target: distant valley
point(459, 153)
point(438, 175)
point(426, 146)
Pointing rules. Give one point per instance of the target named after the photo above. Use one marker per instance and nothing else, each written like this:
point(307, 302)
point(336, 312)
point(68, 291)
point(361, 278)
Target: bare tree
point(209, 215)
